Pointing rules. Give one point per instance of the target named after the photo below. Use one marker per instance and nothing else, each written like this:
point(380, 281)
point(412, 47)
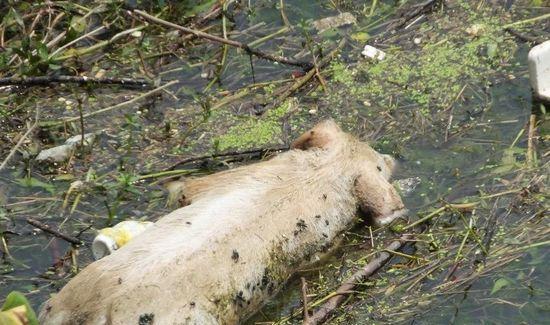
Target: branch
point(304, 300)
point(21, 140)
point(47, 80)
point(225, 154)
point(213, 38)
point(126, 103)
point(524, 37)
point(56, 233)
point(323, 312)
point(300, 82)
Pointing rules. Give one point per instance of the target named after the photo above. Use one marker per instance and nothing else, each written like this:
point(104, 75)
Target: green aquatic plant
point(17, 311)
point(431, 74)
point(252, 131)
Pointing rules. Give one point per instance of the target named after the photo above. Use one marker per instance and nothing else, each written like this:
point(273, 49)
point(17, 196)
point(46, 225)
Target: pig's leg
point(378, 198)
point(324, 135)
point(177, 196)
point(183, 192)
point(186, 191)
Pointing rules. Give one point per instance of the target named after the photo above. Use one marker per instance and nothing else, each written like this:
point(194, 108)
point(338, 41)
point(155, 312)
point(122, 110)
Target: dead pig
point(245, 231)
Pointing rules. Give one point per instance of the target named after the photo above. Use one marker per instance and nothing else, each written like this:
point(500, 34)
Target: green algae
point(252, 131)
point(429, 75)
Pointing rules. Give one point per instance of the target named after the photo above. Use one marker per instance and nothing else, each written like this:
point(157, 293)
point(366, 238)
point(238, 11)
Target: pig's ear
point(323, 136)
point(378, 198)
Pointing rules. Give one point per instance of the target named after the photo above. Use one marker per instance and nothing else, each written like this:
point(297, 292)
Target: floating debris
point(372, 52)
point(539, 69)
point(408, 185)
point(111, 239)
point(342, 19)
point(63, 152)
point(56, 154)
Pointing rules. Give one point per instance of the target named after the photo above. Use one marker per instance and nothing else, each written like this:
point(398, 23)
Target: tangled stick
point(56, 233)
point(217, 39)
point(21, 140)
point(323, 312)
point(47, 80)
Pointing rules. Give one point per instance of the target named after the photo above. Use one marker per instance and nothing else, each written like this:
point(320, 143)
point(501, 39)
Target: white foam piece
point(372, 52)
point(539, 70)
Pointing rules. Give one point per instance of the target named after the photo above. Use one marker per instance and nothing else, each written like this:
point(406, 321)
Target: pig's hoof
point(384, 220)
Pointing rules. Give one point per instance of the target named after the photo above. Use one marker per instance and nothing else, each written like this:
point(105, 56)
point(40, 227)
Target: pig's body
point(246, 230)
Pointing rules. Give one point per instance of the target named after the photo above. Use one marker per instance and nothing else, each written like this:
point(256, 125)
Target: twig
point(268, 37)
point(530, 152)
point(221, 66)
point(409, 14)
point(47, 80)
point(449, 125)
point(215, 11)
point(490, 229)
point(461, 206)
point(283, 14)
point(451, 107)
point(423, 275)
point(74, 262)
point(303, 80)
point(61, 35)
point(461, 247)
point(5, 246)
point(97, 46)
point(176, 172)
point(411, 257)
point(304, 300)
point(126, 103)
point(225, 154)
point(56, 233)
point(328, 307)
point(76, 40)
point(81, 118)
point(316, 64)
point(21, 140)
point(210, 37)
point(527, 21)
point(373, 7)
point(524, 37)
point(371, 237)
point(252, 68)
point(50, 28)
point(470, 228)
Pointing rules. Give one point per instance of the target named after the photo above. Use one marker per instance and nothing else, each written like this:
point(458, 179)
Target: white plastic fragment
point(56, 154)
point(539, 70)
point(342, 19)
point(63, 152)
point(89, 138)
point(372, 52)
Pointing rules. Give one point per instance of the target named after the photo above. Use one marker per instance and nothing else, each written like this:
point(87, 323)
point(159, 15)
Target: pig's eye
point(379, 168)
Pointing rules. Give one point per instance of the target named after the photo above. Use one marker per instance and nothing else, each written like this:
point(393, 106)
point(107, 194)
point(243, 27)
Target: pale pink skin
point(245, 231)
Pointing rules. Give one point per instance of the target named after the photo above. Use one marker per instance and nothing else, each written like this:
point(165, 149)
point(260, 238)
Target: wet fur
point(244, 232)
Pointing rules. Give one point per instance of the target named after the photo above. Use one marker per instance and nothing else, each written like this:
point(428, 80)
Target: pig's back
point(219, 258)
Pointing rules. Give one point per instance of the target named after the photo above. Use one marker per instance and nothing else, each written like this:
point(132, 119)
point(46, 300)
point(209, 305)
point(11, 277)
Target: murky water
point(437, 164)
point(449, 170)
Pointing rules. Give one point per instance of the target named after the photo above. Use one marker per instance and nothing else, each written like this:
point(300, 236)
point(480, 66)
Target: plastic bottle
point(110, 239)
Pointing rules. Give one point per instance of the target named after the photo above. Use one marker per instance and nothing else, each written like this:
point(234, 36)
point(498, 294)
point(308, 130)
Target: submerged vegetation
point(451, 100)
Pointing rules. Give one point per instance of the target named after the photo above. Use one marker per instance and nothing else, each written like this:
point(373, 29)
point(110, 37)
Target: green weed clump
point(253, 132)
point(430, 75)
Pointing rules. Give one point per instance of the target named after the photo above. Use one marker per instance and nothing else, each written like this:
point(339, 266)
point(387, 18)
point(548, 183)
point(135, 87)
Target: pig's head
point(370, 170)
